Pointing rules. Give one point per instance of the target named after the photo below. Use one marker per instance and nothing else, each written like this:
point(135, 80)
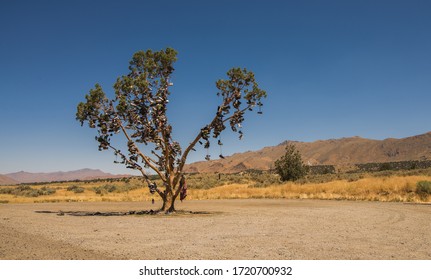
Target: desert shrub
point(5, 190)
point(27, 191)
point(124, 179)
point(120, 188)
point(322, 169)
point(203, 181)
point(46, 191)
point(23, 188)
point(354, 177)
point(397, 165)
point(385, 166)
point(290, 166)
point(75, 189)
point(105, 189)
point(264, 180)
point(423, 188)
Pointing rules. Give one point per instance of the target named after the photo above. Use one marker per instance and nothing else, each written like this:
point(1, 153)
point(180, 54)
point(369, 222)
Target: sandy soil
point(235, 229)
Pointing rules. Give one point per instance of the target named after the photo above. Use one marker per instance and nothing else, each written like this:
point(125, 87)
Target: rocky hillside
point(4, 180)
point(344, 151)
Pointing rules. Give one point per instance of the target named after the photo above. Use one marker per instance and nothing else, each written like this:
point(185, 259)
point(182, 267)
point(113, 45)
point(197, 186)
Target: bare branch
point(131, 163)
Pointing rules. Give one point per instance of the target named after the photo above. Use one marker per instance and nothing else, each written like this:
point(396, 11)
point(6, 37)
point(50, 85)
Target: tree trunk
point(168, 202)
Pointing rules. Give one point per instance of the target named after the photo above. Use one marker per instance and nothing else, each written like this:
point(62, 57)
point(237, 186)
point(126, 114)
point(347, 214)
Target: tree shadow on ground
point(127, 213)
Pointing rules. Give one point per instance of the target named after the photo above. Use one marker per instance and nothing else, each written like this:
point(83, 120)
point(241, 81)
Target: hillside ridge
point(341, 151)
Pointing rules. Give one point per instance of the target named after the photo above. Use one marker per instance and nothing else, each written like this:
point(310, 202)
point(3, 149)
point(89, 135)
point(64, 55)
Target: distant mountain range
point(4, 180)
point(344, 151)
point(82, 174)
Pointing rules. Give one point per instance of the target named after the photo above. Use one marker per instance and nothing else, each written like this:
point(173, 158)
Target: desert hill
point(82, 174)
point(4, 180)
point(344, 151)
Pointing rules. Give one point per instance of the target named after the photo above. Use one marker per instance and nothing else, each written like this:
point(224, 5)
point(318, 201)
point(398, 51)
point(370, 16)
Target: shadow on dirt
point(107, 214)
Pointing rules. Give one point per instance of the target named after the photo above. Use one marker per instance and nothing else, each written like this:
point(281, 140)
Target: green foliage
point(396, 165)
point(46, 191)
point(290, 166)
point(75, 189)
point(423, 188)
point(322, 169)
point(27, 191)
point(105, 189)
point(118, 188)
point(385, 166)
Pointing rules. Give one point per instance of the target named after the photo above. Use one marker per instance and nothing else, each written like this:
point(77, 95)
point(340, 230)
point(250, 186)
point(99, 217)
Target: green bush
point(322, 169)
point(75, 189)
point(423, 188)
point(27, 191)
point(105, 189)
point(46, 191)
point(290, 166)
point(5, 190)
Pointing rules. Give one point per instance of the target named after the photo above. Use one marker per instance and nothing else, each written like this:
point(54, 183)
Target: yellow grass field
point(390, 188)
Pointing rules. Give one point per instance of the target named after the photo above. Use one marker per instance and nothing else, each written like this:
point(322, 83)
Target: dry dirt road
point(234, 229)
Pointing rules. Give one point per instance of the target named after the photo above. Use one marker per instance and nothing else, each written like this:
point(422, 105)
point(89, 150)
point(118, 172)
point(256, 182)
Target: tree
point(290, 166)
point(138, 112)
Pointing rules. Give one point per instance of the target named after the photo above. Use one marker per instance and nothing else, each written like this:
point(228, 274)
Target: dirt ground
point(234, 229)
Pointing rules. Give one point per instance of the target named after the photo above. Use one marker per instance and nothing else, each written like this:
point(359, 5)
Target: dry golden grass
point(390, 188)
point(395, 188)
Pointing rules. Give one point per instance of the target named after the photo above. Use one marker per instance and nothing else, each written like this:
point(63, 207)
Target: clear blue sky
point(331, 69)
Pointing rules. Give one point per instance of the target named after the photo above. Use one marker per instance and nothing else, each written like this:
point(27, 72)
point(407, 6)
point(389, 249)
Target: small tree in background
point(290, 166)
point(139, 109)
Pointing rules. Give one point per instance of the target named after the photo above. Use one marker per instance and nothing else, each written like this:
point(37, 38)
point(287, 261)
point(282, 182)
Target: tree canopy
point(290, 166)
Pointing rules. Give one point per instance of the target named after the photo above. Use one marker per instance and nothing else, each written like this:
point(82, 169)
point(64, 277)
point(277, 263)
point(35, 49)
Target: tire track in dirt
point(16, 245)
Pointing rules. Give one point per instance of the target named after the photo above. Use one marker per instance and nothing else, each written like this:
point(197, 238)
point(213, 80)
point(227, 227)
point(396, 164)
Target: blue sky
point(331, 69)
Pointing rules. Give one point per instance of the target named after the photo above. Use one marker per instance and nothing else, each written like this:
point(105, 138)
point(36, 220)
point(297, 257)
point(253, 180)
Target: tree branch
point(144, 157)
point(191, 146)
point(136, 165)
point(242, 111)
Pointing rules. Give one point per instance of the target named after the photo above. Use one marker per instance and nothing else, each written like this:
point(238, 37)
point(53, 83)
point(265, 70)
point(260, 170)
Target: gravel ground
point(233, 229)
